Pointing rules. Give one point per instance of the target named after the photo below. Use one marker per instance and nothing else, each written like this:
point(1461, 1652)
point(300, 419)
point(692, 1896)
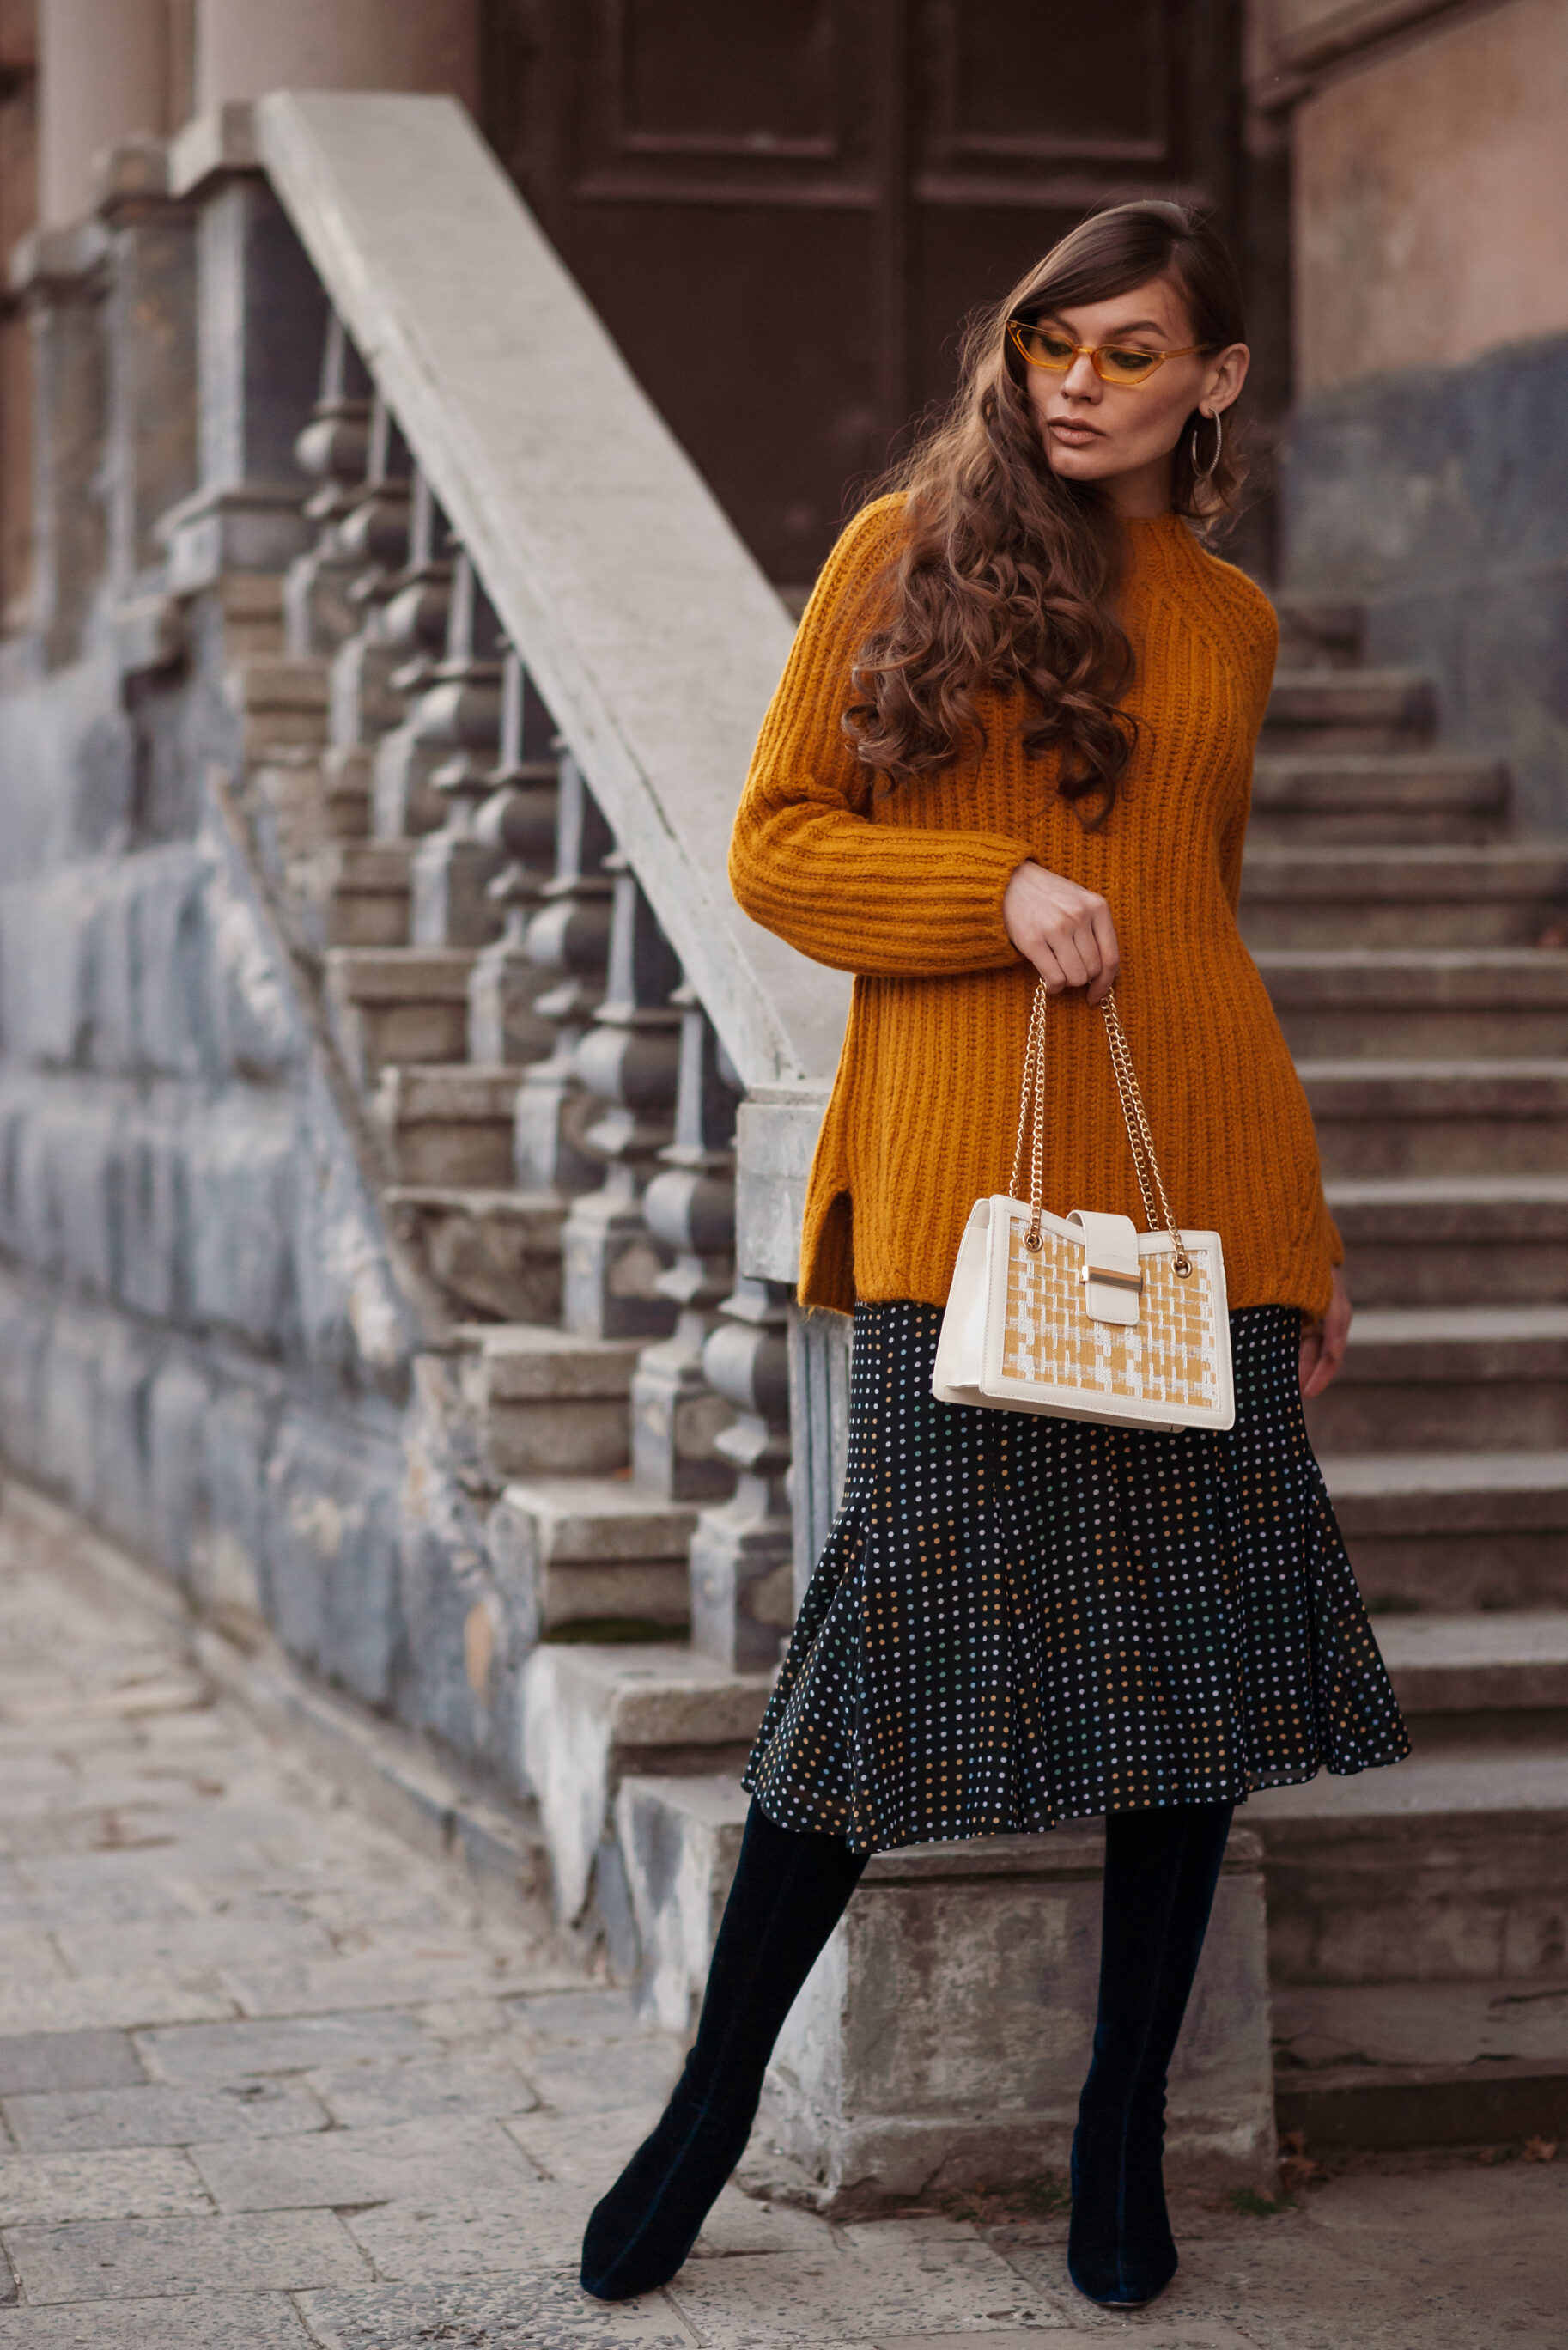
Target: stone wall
point(1440, 495)
point(1424, 467)
point(204, 1344)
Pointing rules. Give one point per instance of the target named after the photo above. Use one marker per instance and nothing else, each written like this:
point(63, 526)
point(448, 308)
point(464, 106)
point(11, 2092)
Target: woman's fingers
point(1076, 953)
point(1323, 1343)
point(1064, 931)
point(1312, 1357)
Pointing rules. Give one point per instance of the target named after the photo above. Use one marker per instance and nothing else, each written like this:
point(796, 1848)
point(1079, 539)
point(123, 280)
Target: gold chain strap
point(1032, 1111)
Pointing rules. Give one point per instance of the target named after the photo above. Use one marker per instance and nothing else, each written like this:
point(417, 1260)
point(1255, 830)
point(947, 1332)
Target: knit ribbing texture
point(903, 886)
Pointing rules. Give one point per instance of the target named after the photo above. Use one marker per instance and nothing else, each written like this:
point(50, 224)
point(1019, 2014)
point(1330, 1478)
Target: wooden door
point(784, 209)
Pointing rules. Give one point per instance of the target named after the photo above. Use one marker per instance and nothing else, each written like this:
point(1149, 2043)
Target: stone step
point(251, 606)
point(1428, 1118)
point(279, 700)
point(1426, 1377)
point(488, 1251)
point(448, 1123)
point(1500, 895)
point(1350, 710)
point(1454, 1530)
point(919, 2051)
point(1502, 1003)
point(1443, 1868)
point(1422, 2065)
point(396, 1004)
point(355, 893)
point(544, 1403)
point(1460, 1239)
point(587, 1552)
point(1481, 1681)
point(1407, 797)
point(1319, 632)
point(595, 1712)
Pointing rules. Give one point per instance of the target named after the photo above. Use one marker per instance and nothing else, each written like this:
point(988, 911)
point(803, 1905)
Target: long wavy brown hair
point(1007, 574)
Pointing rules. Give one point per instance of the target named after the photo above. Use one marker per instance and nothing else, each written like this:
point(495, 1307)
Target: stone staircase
point(554, 1119)
point(551, 1112)
point(1418, 955)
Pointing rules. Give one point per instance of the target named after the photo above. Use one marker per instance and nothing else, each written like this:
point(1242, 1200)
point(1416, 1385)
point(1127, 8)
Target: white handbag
point(1083, 1317)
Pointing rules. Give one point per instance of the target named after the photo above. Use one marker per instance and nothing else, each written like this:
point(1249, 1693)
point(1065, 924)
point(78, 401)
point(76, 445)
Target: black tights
point(789, 1892)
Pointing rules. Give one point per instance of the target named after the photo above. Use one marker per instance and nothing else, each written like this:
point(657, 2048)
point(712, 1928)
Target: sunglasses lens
point(1127, 366)
point(1043, 349)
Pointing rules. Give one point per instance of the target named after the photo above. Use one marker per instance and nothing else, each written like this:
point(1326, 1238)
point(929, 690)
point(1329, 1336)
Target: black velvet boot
point(1161, 1868)
point(789, 1893)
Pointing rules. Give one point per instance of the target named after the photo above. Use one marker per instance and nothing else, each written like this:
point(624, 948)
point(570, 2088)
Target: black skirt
point(1019, 1621)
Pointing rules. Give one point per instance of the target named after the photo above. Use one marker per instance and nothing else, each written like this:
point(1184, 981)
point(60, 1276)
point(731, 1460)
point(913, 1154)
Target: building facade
point(402, 1134)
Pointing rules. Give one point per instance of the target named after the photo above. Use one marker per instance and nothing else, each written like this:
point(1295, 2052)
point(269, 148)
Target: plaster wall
point(1431, 187)
point(103, 77)
point(242, 51)
point(1424, 468)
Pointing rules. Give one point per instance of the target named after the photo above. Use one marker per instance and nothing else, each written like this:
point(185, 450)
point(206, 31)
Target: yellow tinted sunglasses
point(1047, 347)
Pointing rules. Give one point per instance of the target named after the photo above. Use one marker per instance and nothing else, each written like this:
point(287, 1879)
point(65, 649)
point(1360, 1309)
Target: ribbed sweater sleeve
point(884, 900)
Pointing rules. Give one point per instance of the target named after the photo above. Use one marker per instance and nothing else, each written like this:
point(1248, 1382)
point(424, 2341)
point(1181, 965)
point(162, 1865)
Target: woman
point(1014, 737)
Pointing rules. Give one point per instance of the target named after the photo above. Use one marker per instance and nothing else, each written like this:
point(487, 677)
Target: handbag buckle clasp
point(1113, 1273)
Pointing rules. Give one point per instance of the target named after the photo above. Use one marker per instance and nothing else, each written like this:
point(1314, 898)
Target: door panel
point(784, 213)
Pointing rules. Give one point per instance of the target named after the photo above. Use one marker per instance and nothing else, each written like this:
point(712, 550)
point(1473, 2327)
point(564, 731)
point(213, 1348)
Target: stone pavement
point(271, 2077)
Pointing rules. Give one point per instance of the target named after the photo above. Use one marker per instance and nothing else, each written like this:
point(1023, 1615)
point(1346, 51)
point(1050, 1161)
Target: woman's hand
point(1322, 1343)
point(1066, 933)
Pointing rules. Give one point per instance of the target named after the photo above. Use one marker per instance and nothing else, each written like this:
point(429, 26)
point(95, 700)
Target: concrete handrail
point(651, 633)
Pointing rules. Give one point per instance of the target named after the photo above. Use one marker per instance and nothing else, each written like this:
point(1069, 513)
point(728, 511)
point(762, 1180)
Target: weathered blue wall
point(203, 1342)
point(1440, 497)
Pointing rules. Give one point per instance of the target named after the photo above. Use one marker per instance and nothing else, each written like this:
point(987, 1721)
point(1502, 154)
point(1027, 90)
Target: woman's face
point(1123, 434)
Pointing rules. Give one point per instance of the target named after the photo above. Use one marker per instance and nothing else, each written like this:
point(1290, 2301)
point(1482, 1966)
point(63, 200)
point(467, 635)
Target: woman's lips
point(1077, 435)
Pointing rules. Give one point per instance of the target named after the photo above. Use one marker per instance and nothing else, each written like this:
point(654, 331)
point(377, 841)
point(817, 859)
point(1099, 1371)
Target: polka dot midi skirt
point(1019, 1621)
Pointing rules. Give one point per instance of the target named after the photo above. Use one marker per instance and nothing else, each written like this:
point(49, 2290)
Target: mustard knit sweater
point(904, 888)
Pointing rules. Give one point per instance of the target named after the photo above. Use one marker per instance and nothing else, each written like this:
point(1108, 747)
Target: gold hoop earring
point(1204, 472)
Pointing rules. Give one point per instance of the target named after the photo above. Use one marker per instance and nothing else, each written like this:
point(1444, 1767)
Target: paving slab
point(233, 2052)
point(132, 2183)
point(33, 2061)
point(478, 2228)
point(586, 2151)
point(261, 2251)
point(761, 2301)
point(124, 2001)
point(742, 2223)
point(318, 1988)
point(377, 2096)
point(443, 2206)
point(526, 2311)
point(576, 2018)
point(1467, 2257)
point(27, 1951)
point(449, 2158)
point(598, 2080)
point(185, 1942)
point(204, 2321)
point(80, 2118)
